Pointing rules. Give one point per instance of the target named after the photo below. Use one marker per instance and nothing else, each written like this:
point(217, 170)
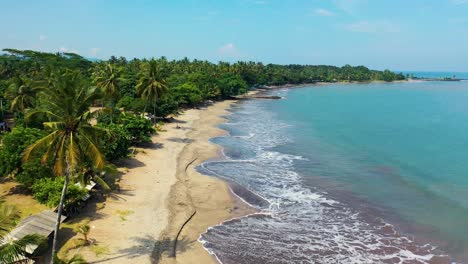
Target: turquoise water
point(403, 146)
point(353, 173)
point(462, 75)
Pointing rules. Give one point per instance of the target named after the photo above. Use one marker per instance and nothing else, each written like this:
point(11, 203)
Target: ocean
point(347, 173)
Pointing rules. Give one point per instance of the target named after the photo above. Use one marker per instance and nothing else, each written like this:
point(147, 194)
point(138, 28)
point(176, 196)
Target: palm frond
point(8, 217)
point(40, 145)
point(13, 251)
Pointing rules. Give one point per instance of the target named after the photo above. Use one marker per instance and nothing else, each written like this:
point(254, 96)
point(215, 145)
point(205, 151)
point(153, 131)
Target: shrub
point(166, 105)
point(14, 143)
point(108, 116)
point(48, 191)
point(139, 128)
point(128, 103)
point(116, 143)
point(188, 94)
point(32, 171)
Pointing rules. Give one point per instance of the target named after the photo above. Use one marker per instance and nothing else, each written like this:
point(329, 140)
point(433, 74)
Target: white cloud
point(229, 50)
point(372, 27)
point(64, 49)
point(42, 37)
point(94, 51)
point(323, 12)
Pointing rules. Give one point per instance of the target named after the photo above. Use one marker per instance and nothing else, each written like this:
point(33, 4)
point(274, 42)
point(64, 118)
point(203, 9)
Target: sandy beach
point(159, 190)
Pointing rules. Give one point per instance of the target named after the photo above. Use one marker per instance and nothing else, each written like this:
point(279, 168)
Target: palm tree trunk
point(154, 111)
point(144, 109)
point(59, 216)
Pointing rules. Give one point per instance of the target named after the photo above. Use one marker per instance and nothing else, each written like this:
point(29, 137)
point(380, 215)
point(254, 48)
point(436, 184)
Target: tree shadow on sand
point(180, 140)
point(147, 245)
point(166, 246)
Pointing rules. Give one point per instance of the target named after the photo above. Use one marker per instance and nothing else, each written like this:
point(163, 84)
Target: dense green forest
point(187, 82)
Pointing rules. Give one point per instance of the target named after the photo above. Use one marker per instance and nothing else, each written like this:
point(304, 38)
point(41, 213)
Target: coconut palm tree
point(108, 78)
point(22, 92)
point(151, 85)
point(12, 250)
point(72, 140)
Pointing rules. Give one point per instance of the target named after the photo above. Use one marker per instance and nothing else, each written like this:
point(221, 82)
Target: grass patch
point(123, 214)
point(99, 250)
point(24, 202)
point(71, 244)
point(100, 206)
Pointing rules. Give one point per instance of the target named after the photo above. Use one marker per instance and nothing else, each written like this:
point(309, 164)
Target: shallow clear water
point(364, 173)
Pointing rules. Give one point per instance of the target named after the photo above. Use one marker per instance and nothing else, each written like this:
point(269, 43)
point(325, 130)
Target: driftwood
point(174, 250)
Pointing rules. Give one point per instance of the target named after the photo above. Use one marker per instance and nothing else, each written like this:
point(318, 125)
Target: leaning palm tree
point(151, 85)
point(22, 92)
point(12, 250)
point(72, 140)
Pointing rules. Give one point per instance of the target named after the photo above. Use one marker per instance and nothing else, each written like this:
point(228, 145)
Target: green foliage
point(136, 105)
point(231, 84)
point(166, 105)
point(187, 94)
point(14, 143)
point(33, 170)
point(49, 190)
point(109, 116)
point(139, 128)
point(115, 144)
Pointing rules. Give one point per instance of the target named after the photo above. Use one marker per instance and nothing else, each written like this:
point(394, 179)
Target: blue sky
point(394, 34)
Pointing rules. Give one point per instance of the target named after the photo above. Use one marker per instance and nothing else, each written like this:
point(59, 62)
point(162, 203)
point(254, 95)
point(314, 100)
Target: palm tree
point(12, 250)
point(72, 141)
point(108, 79)
point(22, 92)
point(151, 85)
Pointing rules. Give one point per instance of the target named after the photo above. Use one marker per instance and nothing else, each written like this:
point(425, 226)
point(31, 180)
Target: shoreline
point(211, 198)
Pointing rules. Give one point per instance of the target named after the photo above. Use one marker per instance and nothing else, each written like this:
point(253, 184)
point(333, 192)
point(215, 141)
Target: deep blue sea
point(348, 173)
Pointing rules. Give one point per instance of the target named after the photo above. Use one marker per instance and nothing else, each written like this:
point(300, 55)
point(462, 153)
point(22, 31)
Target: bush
point(166, 105)
point(139, 128)
point(231, 84)
point(48, 191)
point(115, 145)
point(108, 116)
point(128, 103)
point(14, 143)
point(187, 94)
point(32, 171)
